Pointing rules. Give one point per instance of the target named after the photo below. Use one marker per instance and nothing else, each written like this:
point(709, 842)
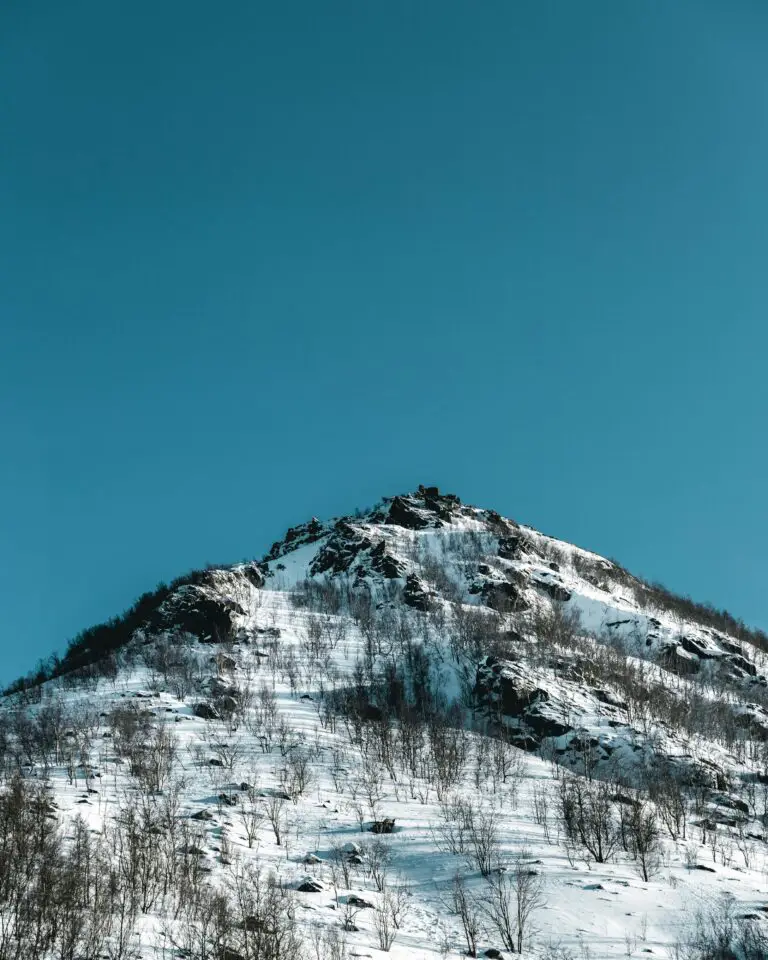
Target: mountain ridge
point(420, 729)
point(414, 510)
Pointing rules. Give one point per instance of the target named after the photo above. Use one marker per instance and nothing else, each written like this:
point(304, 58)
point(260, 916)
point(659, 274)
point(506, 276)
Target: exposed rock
point(297, 536)
point(697, 649)
point(499, 590)
point(310, 885)
point(384, 563)
point(509, 547)
point(229, 954)
point(340, 550)
point(387, 825)
point(354, 901)
point(609, 697)
point(205, 711)
point(732, 802)
point(199, 611)
point(225, 705)
point(555, 590)
point(415, 593)
point(742, 663)
point(404, 512)
point(544, 724)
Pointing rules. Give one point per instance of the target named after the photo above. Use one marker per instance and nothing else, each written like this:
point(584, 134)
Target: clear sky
point(263, 261)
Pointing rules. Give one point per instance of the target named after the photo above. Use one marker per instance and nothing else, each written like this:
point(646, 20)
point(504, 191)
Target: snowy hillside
point(422, 731)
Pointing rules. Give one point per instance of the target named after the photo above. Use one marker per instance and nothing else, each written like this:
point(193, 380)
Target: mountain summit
point(423, 729)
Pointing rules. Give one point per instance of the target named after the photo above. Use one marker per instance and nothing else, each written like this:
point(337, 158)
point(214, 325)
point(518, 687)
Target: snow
point(600, 911)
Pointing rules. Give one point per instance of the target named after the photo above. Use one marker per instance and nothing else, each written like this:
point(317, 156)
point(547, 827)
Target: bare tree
point(644, 840)
point(515, 892)
point(483, 830)
point(274, 807)
point(384, 919)
point(297, 774)
point(588, 815)
point(466, 907)
point(252, 815)
point(378, 854)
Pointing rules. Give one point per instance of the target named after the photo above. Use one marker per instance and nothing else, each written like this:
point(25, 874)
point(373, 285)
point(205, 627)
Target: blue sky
point(260, 262)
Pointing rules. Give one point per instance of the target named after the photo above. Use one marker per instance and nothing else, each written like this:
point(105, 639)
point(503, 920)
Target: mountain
point(424, 729)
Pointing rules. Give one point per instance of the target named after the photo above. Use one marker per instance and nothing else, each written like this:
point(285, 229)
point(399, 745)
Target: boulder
point(387, 825)
point(310, 885)
point(205, 711)
point(354, 901)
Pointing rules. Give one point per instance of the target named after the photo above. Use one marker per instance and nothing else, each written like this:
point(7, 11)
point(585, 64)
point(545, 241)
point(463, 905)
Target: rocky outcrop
point(295, 537)
point(425, 508)
point(385, 563)
point(406, 512)
point(500, 590)
point(201, 612)
point(340, 551)
point(205, 711)
point(541, 712)
point(349, 549)
point(552, 587)
point(415, 593)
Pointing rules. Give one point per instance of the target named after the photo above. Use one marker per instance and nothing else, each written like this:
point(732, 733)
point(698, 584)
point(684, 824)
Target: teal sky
point(264, 261)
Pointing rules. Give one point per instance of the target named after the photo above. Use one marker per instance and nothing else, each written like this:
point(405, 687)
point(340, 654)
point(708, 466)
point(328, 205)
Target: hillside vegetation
point(424, 730)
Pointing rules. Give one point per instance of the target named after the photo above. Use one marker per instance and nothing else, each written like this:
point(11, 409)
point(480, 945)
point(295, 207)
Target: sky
point(260, 262)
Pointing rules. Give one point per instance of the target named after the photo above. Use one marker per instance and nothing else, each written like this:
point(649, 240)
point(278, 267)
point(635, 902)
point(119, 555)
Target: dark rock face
point(515, 694)
point(347, 547)
point(385, 564)
point(229, 954)
point(425, 508)
point(498, 591)
point(555, 590)
point(205, 711)
point(691, 646)
point(341, 550)
point(404, 512)
point(194, 610)
point(297, 536)
point(387, 825)
point(359, 903)
point(509, 548)
point(741, 663)
point(609, 697)
point(673, 658)
point(310, 885)
point(543, 725)
point(415, 594)
point(253, 573)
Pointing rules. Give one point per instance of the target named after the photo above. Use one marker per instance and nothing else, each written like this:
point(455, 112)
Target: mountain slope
point(510, 701)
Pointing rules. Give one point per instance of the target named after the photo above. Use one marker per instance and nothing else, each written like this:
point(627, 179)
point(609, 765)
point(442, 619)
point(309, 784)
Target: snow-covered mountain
point(420, 730)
